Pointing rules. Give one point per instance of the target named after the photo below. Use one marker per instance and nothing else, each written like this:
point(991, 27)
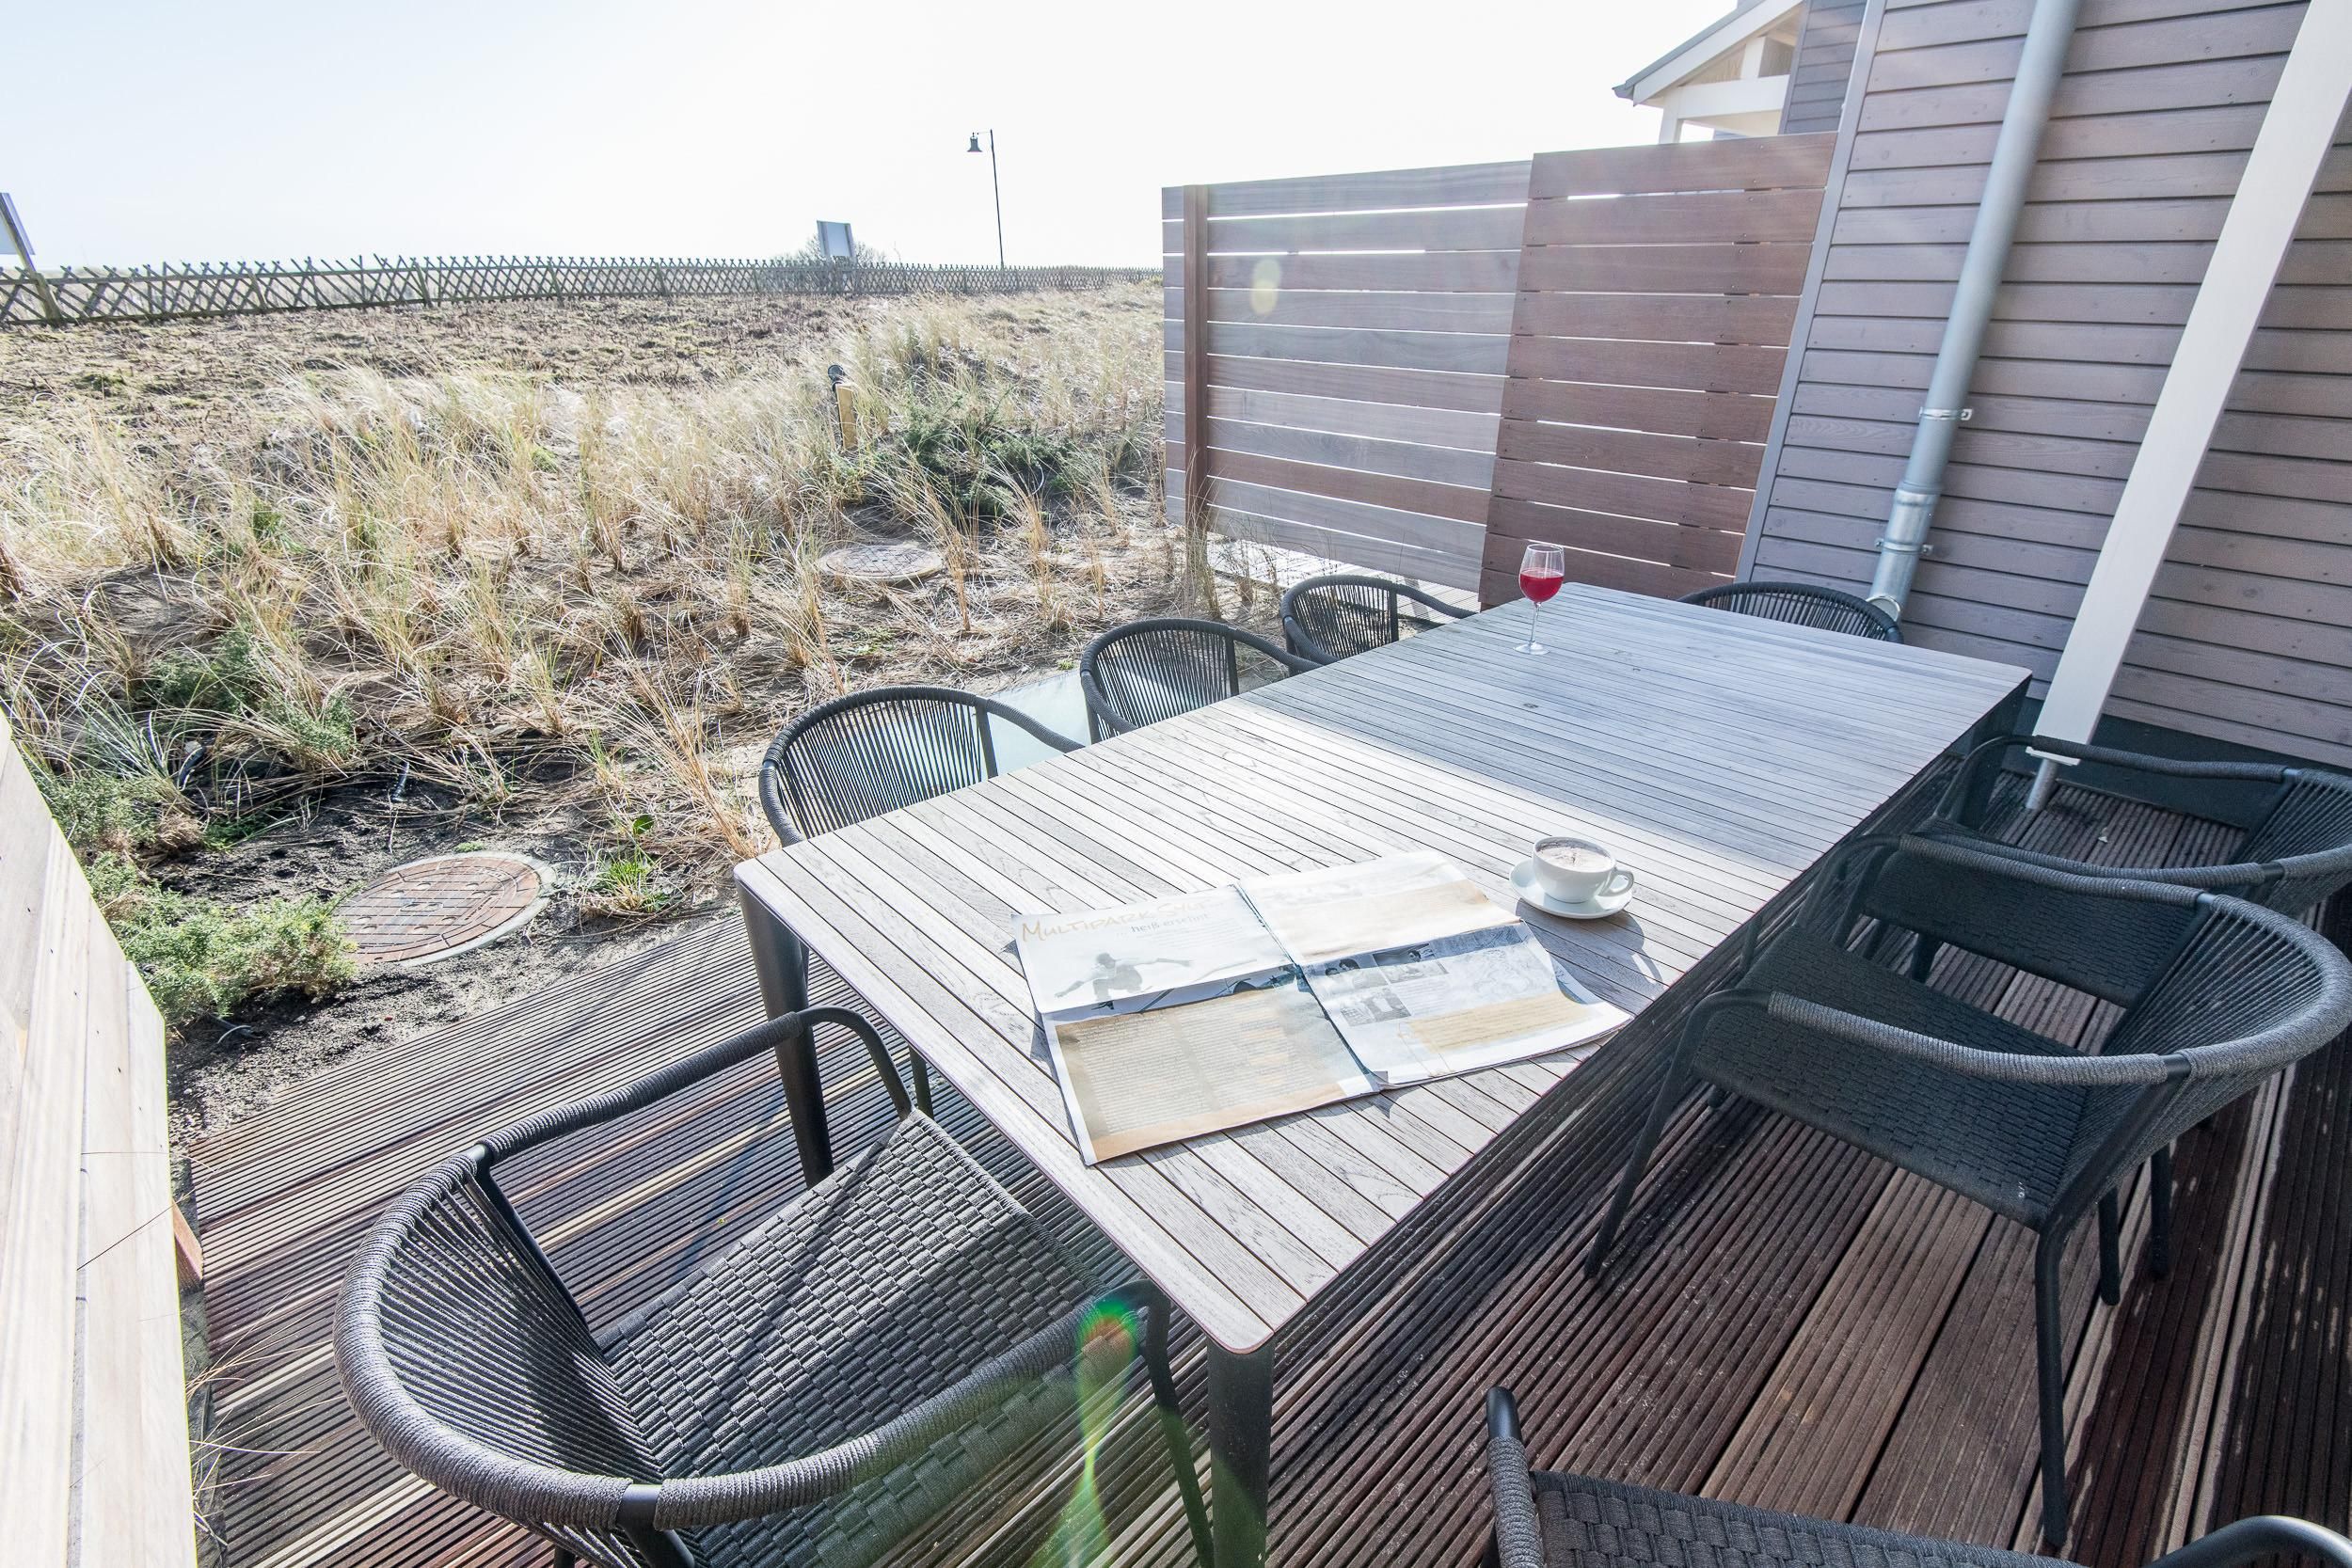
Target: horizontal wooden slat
point(1372, 552)
point(1479, 394)
point(1784, 215)
point(1685, 548)
point(1671, 500)
point(1482, 271)
point(2168, 219)
point(1756, 163)
point(1701, 268)
point(1631, 452)
point(1388, 422)
point(1695, 366)
point(1441, 230)
point(1452, 185)
point(1461, 503)
point(1472, 353)
point(1659, 318)
point(2180, 85)
point(1717, 416)
point(1438, 464)
point(2269, 30)
point(1439, 312)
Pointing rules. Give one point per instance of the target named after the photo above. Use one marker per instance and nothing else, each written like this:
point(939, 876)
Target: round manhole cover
point(902, 561)
point(431, 909)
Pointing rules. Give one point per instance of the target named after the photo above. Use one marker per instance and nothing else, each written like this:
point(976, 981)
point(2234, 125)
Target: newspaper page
point(1179, 1017)
point(1423, 974)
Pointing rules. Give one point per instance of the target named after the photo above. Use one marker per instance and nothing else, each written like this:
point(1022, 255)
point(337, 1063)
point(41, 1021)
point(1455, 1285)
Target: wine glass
point(1542, 569)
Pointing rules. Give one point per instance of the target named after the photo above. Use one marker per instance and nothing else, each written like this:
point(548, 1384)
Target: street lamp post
point(997, 188)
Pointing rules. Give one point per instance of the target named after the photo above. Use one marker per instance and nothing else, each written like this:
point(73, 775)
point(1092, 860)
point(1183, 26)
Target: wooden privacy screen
point(1335, 354)
point(1656, 292)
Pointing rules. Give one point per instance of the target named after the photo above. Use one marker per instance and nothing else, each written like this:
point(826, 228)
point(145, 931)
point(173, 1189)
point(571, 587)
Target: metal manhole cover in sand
point(901, 562)
point(432, 908)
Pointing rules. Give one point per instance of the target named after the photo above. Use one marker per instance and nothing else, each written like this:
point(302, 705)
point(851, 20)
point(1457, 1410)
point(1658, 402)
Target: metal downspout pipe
point(2015, 153)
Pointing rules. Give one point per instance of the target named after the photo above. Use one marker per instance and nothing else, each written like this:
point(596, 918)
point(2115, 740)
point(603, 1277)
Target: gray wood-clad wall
point(1822, 64)
point(2248, 635)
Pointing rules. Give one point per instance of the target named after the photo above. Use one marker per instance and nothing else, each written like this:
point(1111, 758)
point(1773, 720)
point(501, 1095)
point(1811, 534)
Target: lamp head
point(976, 141)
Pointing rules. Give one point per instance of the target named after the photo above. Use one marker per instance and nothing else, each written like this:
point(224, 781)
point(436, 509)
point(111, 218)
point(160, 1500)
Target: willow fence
point(70, 294)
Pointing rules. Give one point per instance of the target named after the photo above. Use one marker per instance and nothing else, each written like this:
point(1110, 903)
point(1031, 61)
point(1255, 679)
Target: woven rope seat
point(813, 1393)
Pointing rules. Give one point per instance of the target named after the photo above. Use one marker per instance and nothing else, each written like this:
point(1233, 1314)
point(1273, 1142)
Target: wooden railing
point(1419, 370)
point(93, 1402)
point(71, 294)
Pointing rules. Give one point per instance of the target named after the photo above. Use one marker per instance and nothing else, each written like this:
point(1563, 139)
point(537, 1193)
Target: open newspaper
point(1186, 1015)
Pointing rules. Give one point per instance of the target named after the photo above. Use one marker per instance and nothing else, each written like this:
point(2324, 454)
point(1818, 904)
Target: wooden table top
point(1720, 755)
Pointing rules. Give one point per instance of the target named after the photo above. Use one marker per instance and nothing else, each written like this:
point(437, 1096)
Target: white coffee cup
point(1573, 870)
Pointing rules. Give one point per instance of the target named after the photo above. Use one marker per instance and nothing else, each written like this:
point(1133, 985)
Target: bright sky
point(158, 130)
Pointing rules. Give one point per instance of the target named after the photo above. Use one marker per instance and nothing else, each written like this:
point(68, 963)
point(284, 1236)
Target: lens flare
point(1105, 1347)
point(1265, 286)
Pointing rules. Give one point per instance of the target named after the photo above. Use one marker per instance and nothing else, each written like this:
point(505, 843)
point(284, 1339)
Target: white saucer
point(1523, 884)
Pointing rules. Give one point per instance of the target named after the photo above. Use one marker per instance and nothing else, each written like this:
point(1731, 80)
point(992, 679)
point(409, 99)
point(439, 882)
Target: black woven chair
point(811, 1393)
point(1330, 617)
point(2294, 850)
point(1147, 671)
point(1545, 1519)
point(873, 752)
point(1802, 604)
point(2031, 1129)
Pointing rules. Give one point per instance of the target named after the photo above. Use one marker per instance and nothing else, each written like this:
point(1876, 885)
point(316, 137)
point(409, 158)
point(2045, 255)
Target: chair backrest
point(2251, 991)
point(467, 1358)
point(873, 752)
point(1802, 604)
point(1332, 617)
point(1147, 671)
point(2304, 841)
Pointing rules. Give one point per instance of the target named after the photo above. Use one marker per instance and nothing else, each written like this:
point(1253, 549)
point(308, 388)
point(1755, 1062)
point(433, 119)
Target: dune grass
point(513, 590)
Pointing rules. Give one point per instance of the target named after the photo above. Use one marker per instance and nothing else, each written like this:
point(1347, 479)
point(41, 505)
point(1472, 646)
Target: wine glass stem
point(1535, 607)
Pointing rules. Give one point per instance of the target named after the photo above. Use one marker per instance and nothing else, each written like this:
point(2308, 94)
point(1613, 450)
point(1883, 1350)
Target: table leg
point(781, 960)
point(778, 956)
point(1241, 1442)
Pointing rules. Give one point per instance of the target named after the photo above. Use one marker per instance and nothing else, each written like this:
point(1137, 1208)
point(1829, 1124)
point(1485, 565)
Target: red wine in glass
point(1542, 569)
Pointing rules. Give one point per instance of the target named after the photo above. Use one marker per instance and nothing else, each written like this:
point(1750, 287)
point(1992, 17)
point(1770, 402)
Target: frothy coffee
point(1580, 859)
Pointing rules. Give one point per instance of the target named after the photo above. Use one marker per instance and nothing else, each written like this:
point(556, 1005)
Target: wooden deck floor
point(1790, 1323)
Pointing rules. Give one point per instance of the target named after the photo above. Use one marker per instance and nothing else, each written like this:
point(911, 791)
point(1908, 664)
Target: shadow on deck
point(1791, 1324)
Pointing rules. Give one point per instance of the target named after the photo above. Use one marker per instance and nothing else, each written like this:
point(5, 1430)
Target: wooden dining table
point(1720, 756)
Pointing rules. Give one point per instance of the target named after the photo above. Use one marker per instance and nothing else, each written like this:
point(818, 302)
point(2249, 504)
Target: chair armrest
point(1291, 662)
point(684, 1502)
point(1005, 711)
point(774, 1036)
point(2264, 1535)
point(1101, 713)
point(1518, 1534)
point(2242, 878)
